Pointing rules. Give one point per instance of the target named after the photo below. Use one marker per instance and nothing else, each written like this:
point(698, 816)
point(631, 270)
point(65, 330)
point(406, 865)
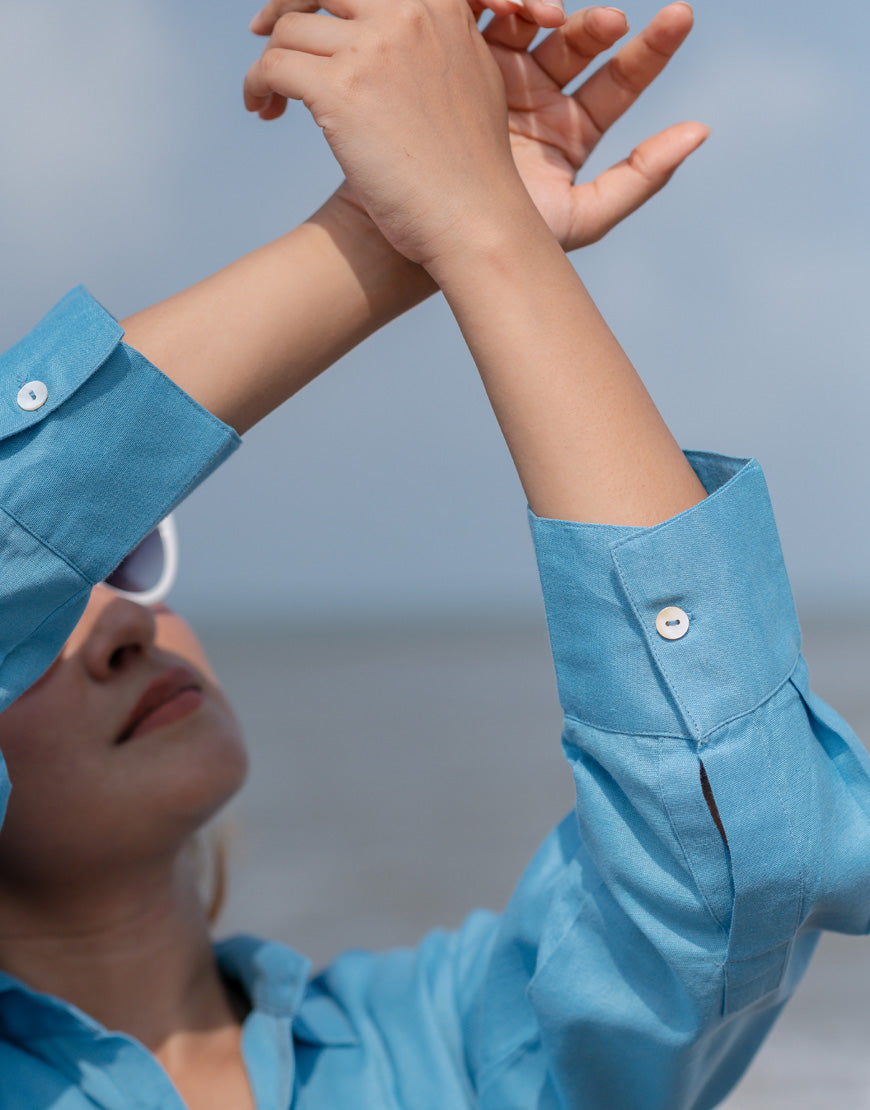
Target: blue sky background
point(385, 489)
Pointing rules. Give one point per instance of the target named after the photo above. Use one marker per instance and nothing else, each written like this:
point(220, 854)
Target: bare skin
point(245, 339)
point(587, 441)
point(116, 926)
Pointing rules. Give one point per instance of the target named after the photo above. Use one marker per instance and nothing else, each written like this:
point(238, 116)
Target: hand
point(412, 103)
point(541, 13)
point(553, 134)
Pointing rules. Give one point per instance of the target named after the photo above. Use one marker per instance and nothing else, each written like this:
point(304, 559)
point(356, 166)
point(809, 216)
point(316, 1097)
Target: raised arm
point(586, 439)
point(248, 337)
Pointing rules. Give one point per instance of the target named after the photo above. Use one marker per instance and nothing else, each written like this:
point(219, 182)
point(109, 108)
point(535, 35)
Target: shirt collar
point(274, 977)
point(276, 980)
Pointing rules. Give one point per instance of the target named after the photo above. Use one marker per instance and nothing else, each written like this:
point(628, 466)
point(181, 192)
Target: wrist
point(392, 283)
point(493, 239)
point(507, 244)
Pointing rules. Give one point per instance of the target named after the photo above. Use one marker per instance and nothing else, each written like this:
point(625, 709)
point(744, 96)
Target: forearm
point(441, 183)
point(586, 438)
point(245, 339)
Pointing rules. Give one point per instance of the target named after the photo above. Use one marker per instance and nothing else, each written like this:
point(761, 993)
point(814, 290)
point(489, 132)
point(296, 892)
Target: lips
point(173, 695)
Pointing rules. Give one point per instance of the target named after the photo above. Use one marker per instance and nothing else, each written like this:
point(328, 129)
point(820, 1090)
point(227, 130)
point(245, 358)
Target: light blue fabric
point(641, 960)
point(115, 447)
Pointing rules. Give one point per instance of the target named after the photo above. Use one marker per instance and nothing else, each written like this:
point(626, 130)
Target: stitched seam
point(622, 732)
point(48, 546)
point(702, 741)
point(161, 513)
point(654, 649)
point(50, 616)
point(759, 955)
point(801, 885)
point(99, 356)
point(218, 425)
point(761, 701)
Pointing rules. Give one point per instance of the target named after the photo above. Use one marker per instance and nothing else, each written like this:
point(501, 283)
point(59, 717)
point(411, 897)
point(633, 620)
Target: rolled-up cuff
point(114, 446)
point(719, 562)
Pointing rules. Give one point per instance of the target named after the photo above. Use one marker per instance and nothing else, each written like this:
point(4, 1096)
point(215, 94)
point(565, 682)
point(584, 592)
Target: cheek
point(35, 734)
point(86, 822)
point(55, 778)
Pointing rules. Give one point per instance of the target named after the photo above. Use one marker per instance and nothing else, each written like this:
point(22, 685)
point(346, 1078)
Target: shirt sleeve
point(96, 447)
point(659, 950)
point(644, 955)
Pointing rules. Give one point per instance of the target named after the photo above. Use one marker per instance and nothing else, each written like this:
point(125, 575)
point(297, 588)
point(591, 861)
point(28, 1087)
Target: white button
point(672, 623)
point(32, 396)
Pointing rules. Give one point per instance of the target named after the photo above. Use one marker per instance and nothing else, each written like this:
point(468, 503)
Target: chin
point(211, 769)
point(176, 778)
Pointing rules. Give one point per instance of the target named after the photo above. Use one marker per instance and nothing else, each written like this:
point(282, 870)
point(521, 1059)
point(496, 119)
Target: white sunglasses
point(148, 573)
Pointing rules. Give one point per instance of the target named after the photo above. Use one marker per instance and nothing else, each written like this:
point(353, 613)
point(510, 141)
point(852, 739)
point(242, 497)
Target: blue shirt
point(642, 958)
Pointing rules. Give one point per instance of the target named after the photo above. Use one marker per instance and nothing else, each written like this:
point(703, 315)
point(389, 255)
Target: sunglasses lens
point(143, 568)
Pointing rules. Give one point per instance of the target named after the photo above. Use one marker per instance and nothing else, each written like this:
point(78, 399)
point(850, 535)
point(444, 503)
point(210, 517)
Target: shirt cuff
point(85, 474)
point(720, 562)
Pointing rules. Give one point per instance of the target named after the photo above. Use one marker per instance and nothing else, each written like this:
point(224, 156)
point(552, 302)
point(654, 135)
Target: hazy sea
point(402, 776)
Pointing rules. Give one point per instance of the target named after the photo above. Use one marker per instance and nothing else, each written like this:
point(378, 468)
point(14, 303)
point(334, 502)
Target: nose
point(113, 632)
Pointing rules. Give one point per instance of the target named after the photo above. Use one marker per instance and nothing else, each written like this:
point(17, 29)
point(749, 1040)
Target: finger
point(515, 30)
point(501, 9)
point(545, 13)
point(305, 32)
point(264, 21)
point(609, 92)
point(291, 74)
point(536, 13)
point(272, 107)
point(312, 32)
point(622, 189)
point(567, 52)
point(552, 13)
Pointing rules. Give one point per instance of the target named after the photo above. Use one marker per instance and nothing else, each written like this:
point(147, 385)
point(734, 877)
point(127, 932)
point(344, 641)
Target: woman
point(654, 938)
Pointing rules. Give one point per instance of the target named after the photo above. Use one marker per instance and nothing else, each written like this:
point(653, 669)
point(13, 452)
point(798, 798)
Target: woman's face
point(120, 751)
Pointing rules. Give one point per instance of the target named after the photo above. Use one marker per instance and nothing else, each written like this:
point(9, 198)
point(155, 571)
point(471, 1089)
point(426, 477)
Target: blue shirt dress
point(643, 956)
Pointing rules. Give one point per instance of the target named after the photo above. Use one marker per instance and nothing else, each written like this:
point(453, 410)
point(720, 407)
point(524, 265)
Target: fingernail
point(517, 3)
point(252, 26)
point(557, 4)
point(619, 12)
